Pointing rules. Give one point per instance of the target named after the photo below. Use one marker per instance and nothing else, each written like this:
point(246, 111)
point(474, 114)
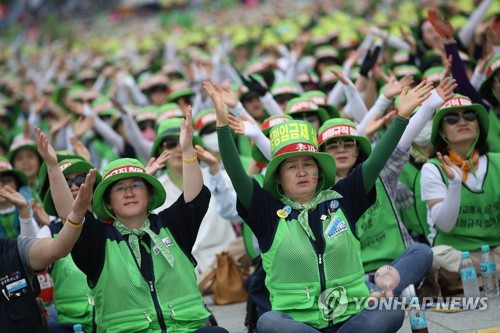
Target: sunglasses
point(335, 144)
point(145, 124)
point(170, 144)
point(155, 89)
point(306, 116)
point(7, 179)
point(454, 118)
point(282, 99)
point(77, 180)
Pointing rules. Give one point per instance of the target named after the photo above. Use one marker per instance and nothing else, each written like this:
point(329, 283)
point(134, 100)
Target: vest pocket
point(16, 308)
point(135, 321)
point(301, 298)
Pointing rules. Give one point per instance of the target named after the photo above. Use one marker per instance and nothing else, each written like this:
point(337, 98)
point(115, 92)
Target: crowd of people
point(315, 147)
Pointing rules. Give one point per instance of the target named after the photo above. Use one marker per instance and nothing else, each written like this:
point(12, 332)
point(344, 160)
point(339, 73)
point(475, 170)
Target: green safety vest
point(494, 132)
point(72, 295)
point(415, 216)
point(9, 225)
point(478, 221)
point(123, 298)
point(294, 272)
point(378, 231)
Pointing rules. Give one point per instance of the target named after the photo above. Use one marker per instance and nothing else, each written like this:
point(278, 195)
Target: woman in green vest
point(460, 186)
point(139, 265)
point(303, 221)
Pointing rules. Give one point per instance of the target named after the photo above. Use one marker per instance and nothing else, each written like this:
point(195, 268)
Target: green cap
point(6, 168)
point(345, 128)
point(167, 111)
point(68, 166)
point(120, 169)
point(292, 138)
point(304, 104)
point(167, 128)
point(147, 113)
point(459, 102)
point(285, 88)
point(177, 89)
point(320, 98)
point(491, 70)
point(20, 145)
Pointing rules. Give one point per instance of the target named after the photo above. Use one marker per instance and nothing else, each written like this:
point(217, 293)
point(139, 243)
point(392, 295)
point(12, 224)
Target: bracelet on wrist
point(73, 224)
point(191, 159)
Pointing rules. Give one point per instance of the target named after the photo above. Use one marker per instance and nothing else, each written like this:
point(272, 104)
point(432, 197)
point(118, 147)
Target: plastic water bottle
point(78, 328)
point(488, 268)
point(469, 276)
point(418, 321)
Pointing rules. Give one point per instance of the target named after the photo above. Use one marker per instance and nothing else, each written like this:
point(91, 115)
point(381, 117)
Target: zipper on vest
point(307, 292)
point(159, 312)
point(147, 317)
point(90, 299)
point(171, 306)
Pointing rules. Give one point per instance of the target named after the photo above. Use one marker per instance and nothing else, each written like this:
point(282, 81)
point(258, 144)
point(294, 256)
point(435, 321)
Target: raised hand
point(446, 87)
point(449, 169)
point(395, 87)
point(218, 101)
point(15, 198)
point(156, 164)
point(228, 96)
point(237, 125)
point(252, 84)
point(186, 136)
point(340, 76)
point(39, 213)
point(45, 149)
point(83, 125)
point(79, 148)
point(408, 101)
point(377, 122)
point(59, 125)
point(443, 28)
point(84, 197)
point(208, 158)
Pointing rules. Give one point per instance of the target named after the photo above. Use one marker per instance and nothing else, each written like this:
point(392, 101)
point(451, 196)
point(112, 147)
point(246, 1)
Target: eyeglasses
point(122, 188)
point(6, 179)
point(145, 124)
point(306, 116)
point(77, 180)
point(454, 118)
point(335, 144)
point(170, 144)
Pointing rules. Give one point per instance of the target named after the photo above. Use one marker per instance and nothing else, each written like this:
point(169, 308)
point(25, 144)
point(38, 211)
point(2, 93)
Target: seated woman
point(303, 221)
point(139, 265)
point(460, 186)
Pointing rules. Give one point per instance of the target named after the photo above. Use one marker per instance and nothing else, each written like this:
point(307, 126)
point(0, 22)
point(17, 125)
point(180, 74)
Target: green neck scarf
point(139, 232)
point(304, 209)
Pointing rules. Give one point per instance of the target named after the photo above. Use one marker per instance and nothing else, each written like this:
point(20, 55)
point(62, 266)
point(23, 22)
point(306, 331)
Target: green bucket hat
point(68, 166)
point(459, 102)
point(304, 104)
point(167, 128)
point(292, 138)
point(433, 74)
point(23, 144)
point(203, 119)
point(285, 88)
point(491, 70)
point(327, 78)
point(120, 169)
point(147, 113)
point(266, 128)
point(42, 173)
point(326, 52)
point(345, 128)
point(6, 168)
point(320, 98)
point(167, 111)
point(403, 70)
point(177, 89)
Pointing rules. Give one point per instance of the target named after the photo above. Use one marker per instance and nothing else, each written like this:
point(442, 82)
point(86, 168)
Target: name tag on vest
point(168, 242)
point(335, 227)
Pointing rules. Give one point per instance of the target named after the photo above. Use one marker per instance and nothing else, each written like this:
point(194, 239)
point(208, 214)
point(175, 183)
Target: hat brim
point(43, 174)
point(158, 197)
point(159, 139)
point(326, 166)
point(332, 111)
point(484, 121)
point(20, 176)
point(180, 93)
point(322, 114)
point(33, 148)
point(83, 166)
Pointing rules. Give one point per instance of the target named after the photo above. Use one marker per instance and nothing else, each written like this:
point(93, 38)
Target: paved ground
point(232, 316)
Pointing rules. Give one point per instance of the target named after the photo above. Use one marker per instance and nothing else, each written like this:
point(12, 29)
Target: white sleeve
point(380, 105)
point(355, 107)
point(27, 227)
point(44, 232)
point(141, 146)
point(253, 132)
point(225, 197)
point(431, 183)
point(272, 107)
point(466, 34)
point(109, 134)
point(477, 78)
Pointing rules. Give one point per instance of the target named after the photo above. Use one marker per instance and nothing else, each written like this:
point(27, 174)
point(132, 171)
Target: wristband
point(73, 224)
point(191, 159)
